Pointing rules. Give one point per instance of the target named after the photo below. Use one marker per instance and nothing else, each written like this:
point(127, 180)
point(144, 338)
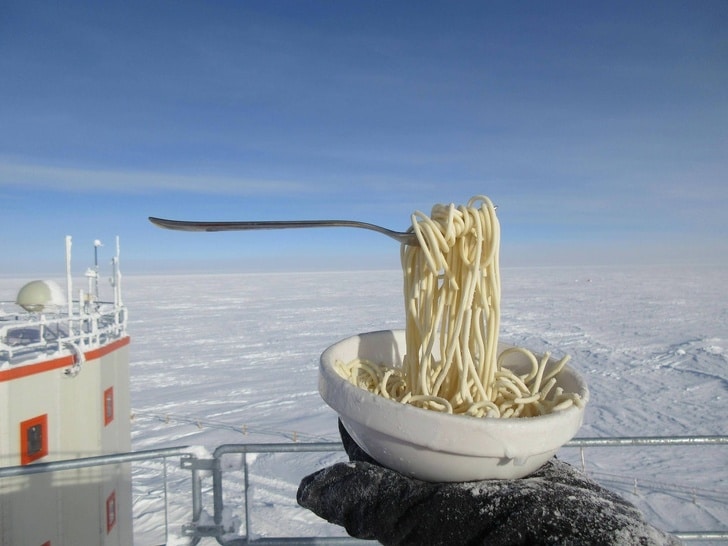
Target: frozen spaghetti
point(452, 307)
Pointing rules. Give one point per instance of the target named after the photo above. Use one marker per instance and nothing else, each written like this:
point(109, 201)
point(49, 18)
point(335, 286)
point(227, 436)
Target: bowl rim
point(437, 429)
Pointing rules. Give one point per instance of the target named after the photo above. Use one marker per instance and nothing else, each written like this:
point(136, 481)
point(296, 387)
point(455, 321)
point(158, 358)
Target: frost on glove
point(554, 505)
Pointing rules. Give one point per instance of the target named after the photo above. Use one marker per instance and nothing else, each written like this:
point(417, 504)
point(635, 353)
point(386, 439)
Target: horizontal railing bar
point(576, 442)
point(702, 535)
point(281, 447)
point(647, 441)
point(98, 460)
point(329, 446)
point(284, 447)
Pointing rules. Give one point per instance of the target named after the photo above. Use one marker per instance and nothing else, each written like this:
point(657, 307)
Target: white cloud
point(24, 175)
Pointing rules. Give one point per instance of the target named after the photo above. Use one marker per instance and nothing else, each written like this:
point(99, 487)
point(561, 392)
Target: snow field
point(220, 359)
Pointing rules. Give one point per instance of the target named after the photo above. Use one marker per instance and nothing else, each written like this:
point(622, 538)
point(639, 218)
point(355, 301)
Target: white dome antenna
point(39, 296)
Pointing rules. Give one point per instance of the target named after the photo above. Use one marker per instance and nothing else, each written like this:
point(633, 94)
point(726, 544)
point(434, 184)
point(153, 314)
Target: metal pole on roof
point(69, 279)
point(97, 244)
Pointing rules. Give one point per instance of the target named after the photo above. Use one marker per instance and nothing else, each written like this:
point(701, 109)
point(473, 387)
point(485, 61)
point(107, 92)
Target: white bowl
point(439, 447)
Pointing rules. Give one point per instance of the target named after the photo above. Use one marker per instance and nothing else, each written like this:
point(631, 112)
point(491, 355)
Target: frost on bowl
point(434, 446)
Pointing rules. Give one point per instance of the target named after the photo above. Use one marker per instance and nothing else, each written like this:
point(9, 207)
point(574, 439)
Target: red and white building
point(64, 394)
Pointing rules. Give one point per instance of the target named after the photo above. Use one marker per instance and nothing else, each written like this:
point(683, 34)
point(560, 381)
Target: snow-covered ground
point(221, 359)
point(233, 358)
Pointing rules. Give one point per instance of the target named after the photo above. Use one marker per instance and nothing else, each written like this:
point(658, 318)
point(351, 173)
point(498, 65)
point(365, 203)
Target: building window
point(108, 405)
point(110, 512)
point(33, 439)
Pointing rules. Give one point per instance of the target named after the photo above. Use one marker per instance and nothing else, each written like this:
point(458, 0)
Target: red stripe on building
point(24, 370)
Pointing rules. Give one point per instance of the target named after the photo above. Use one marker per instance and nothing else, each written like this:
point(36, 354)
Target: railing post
point(217, 503)
point(246, 479)
point(166, 500)
point(195, 529)
point(191, 528)
point(196, 489)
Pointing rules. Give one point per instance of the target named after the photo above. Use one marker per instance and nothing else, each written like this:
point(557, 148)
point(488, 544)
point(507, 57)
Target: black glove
point(554, 505)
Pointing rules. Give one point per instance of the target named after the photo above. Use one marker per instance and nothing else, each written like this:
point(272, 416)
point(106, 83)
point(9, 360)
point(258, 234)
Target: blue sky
point(599, 128)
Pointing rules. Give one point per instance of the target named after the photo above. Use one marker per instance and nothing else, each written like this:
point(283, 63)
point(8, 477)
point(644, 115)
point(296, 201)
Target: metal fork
point(403, 237)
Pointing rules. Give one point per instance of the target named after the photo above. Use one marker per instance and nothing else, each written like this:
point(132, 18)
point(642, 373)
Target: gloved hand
point(554, 505)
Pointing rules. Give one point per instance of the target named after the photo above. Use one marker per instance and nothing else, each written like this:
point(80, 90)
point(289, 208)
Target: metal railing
point(25, 336)
point(101, 460)
point(199, 527)
point(98, 460)
point(213, 467)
